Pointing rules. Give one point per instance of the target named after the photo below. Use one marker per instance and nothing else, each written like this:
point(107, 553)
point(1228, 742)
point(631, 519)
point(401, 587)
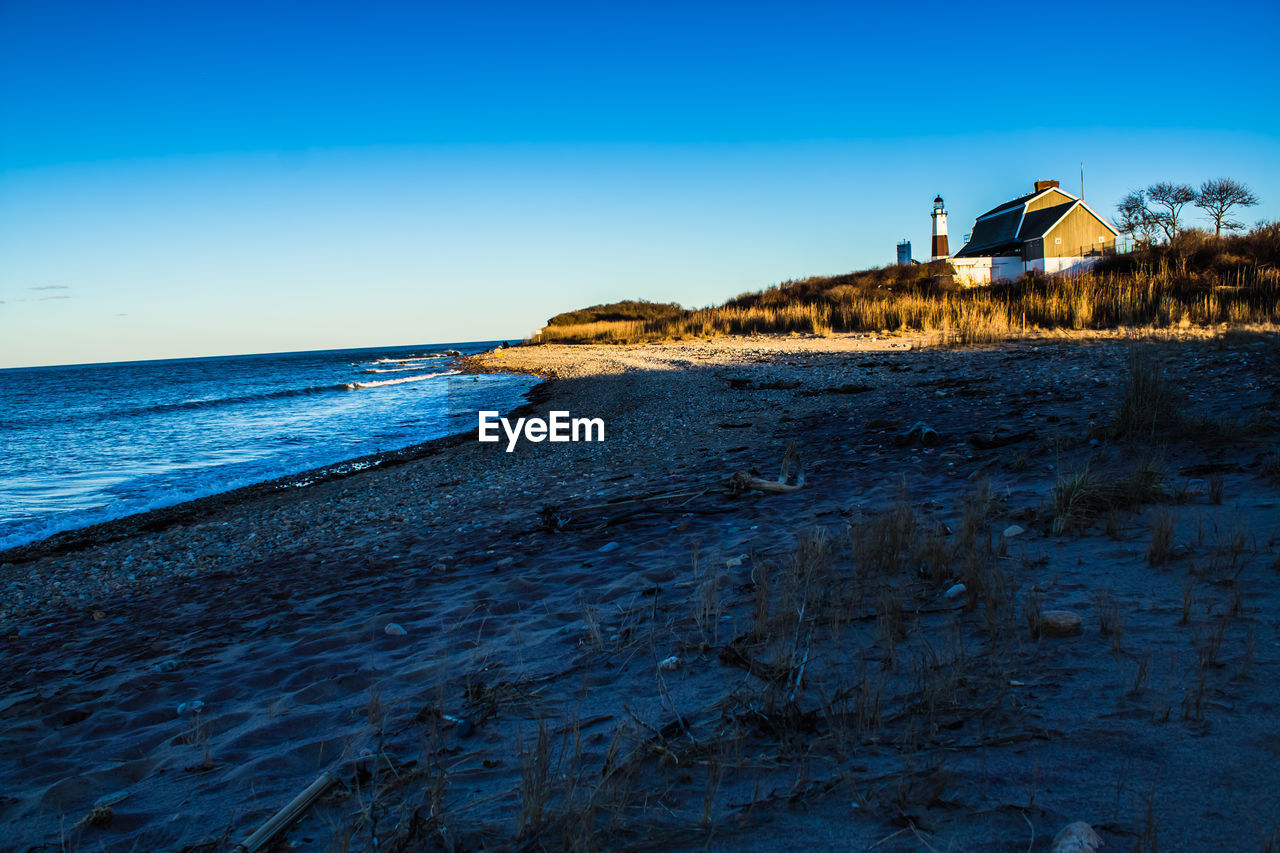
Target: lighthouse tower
point(940, 250)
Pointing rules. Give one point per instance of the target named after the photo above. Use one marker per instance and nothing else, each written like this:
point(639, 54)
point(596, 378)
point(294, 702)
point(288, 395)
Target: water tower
point(904, 253)
point(940, 250)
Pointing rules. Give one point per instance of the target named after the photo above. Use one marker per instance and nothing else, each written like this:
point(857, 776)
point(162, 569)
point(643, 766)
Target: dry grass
point(1163, 523)
point(1149, 403)
point(1156, 292)
point(1081, 497)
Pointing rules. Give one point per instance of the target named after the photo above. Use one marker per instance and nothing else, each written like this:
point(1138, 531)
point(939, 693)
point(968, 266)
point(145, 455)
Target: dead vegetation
point(1218, 280)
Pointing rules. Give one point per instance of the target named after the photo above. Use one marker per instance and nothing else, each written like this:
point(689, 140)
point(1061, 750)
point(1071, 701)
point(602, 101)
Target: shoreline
point(158, 519)
point(745, 667)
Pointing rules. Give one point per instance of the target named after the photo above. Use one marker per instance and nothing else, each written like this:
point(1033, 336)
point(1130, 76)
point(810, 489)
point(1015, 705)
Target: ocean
point(88, 443)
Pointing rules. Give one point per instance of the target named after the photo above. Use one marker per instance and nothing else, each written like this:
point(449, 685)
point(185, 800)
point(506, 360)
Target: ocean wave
point(431, 356)
point(190, 405)
point(402, 380)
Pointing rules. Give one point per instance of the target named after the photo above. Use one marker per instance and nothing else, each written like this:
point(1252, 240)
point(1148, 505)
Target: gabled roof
point(1002, 230)
point(1036, 223)
point(1024, 201)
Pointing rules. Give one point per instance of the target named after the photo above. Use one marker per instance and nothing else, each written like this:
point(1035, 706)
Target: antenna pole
point(1082, 180)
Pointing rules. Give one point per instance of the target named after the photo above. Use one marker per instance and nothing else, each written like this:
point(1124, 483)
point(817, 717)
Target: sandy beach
point(605, 646)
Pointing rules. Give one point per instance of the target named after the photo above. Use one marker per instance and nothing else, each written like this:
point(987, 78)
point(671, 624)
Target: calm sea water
point(87, 443)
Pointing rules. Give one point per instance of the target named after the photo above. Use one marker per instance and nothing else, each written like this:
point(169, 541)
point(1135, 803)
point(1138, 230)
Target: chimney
point(1041, 186)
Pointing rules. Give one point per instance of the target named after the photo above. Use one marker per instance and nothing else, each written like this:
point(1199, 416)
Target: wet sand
point(599, 645)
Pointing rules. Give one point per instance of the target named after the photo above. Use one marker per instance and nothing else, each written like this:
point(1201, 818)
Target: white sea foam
point(354, 385)
point(411, 359)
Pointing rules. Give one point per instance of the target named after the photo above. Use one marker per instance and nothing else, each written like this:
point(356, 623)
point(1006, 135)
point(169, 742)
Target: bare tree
point(1217, 197)
point(1135, 217)
point(1167, 200)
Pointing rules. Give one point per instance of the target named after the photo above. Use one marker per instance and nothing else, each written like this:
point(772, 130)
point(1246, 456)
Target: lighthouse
point(940, 250)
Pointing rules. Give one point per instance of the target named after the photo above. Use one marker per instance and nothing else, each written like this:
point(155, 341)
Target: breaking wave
point(190, 405)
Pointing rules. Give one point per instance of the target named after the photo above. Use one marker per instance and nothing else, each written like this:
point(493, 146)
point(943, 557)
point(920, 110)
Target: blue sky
point(198, 179)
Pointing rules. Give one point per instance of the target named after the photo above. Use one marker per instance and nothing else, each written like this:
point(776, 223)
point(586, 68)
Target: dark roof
point(1020, 202)
point(994, 235)
point(1017, 202)
point(1037, 222)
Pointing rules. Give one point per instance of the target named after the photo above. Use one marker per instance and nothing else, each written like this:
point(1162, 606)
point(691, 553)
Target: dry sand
point(697, 670)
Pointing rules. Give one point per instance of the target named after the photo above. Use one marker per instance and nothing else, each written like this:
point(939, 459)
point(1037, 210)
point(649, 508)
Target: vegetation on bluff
point(1194, 279)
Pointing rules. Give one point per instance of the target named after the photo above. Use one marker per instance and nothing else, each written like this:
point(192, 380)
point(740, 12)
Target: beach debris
point(113, 798)
point(734, 562)
point(991, 440)
point(921, 433)
point(98, 816)
point(1013, 530)
point(394, 630)
point(1077, 837)
point(605, 549)
point(285, 816)
point(850, 388)
point(955, 591)
point(743, 481)
point(1059, 623)
point(98, 616)
point(556, 517)
point(672, 663)
point(195, 706)
point(739, 383)
point(167, 666)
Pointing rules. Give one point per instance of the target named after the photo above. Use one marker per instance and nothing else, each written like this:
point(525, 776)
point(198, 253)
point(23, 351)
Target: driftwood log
point(744, 482)
point(285, 816)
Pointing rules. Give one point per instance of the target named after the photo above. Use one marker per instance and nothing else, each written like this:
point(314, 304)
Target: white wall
point(974, 271)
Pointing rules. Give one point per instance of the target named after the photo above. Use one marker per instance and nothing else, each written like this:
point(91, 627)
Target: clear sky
point(184, 179)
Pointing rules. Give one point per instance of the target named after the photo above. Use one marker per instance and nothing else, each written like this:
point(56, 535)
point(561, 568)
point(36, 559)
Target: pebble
point(195, 706)
point(1013, 530)
point(167, 666)
point(394, 630)
point(605, 549)
point(1060, 623)
point(1077, 837)
point(955, 591)
point(671, 663)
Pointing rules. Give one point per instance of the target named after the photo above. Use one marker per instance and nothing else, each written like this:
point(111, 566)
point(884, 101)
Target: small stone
point(167, 666)
point(1077, 837)
point(671, 663)
point(734, 562)
point(439, 567)
point(605, 549)
point(955, 591)
point(98, 616)
point(1013, 530)
point(1060, 623)
point(195, 706)
point(394, 630)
